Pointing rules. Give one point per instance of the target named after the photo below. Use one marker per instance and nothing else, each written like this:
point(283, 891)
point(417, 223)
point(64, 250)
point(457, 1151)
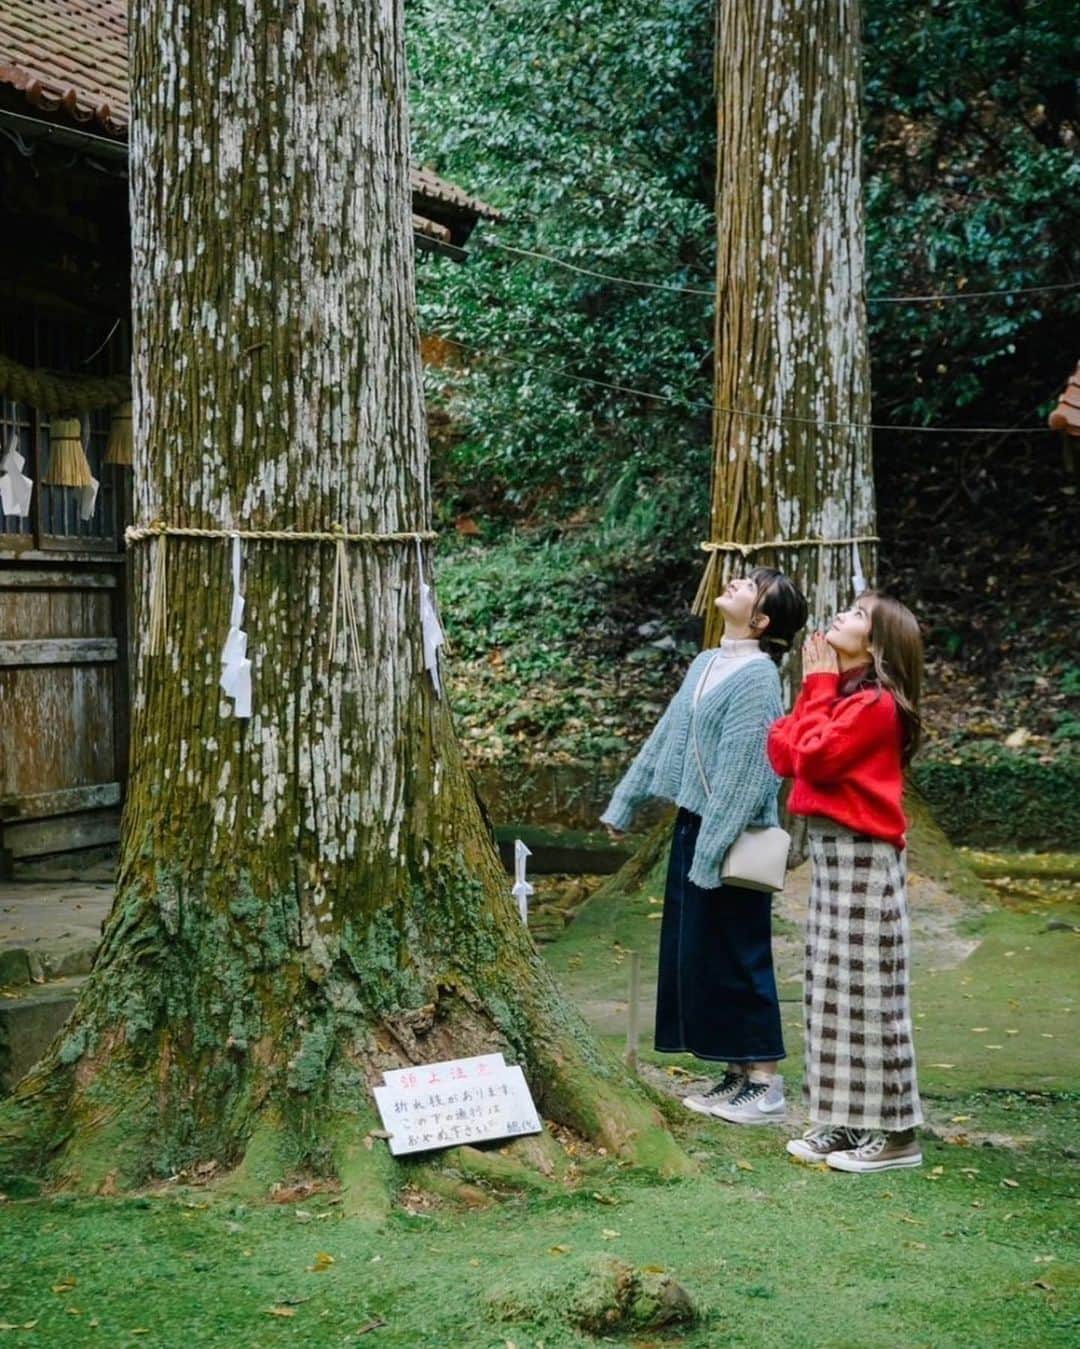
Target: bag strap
point(698, 692)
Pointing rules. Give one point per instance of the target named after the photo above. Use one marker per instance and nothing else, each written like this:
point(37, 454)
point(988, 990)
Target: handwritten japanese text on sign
point(442, 1105)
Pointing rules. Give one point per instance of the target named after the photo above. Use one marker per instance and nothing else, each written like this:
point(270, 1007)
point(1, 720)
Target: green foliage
point(592, 127)
point(972, 183)
point(995, 797)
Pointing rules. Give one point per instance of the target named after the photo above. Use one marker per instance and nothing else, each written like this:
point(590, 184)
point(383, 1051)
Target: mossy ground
point(976, 1248)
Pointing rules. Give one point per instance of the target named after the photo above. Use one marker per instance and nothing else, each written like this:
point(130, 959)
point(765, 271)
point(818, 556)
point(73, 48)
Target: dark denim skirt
point(716, 990)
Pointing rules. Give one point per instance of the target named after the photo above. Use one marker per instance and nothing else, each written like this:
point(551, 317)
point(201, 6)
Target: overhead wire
point(487, 241)
point(690, 404)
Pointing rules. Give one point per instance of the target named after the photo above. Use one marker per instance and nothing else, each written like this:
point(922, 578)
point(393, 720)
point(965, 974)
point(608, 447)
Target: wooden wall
point(62, 689)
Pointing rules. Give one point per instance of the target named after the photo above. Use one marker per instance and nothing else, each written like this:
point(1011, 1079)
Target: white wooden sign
point(442, 1105)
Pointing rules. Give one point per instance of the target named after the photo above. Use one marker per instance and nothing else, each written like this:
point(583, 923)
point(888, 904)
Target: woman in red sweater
point(846, 743)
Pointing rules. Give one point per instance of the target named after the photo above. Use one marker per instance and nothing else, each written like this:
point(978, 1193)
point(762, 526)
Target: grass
point(976, 1248)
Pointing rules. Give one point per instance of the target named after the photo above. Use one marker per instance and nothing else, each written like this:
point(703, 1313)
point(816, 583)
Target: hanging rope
point(342, 601)
point(140, 533)
point(715, 548)
point(343, 588)
point(55, 394)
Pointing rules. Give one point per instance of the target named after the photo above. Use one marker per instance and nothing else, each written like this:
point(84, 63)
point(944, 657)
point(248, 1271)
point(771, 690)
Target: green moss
point(74, 1046)
point(307, 1068)
point(997, 798)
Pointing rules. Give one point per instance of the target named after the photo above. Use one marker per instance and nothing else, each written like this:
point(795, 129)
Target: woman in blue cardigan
point(716, 991)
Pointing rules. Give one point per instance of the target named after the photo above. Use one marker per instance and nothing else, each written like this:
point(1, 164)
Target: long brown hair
point(896, 649)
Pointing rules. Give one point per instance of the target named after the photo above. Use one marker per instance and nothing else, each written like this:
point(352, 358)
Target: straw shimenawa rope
point(747, 550)
point(159, 533)
point(54, 394)
point(140, 533)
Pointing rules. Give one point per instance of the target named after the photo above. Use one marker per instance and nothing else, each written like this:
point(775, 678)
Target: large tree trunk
point(309, 896)
point(790, 316)
point(790, 310)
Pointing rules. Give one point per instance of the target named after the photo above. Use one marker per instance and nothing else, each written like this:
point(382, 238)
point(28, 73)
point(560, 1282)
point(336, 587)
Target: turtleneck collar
point(858, 677)
point(740, 646)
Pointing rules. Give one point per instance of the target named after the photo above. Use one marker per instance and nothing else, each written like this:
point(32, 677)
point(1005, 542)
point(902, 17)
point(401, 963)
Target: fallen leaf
point(369, 1326)
point(322, 1261)
point(1012, 1032)
point(603, 1198)
point(976, 1203)
point(959, 1119)
point(609, 1234)
point(558, 1250)
point(281, 1311)
point(654, 1269)
point(979, 1030)
point(66, 1284)
point(1011, 1184)
point(743, 1166)
point(938, 1171)
point(915, 1245)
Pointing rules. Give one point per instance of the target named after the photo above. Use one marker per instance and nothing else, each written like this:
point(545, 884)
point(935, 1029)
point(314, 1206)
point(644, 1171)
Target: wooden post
point(632, 1007)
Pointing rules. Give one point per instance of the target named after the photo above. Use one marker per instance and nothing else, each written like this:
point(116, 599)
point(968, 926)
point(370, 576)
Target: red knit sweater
point(844, 754)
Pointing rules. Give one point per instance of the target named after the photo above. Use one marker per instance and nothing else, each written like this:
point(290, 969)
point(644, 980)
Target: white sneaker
point(880, 1152)
point(729, 1085)
point(759, 1102)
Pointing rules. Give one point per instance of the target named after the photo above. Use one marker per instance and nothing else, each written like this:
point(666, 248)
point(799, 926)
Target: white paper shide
point(16, 489)
point(521, 889)
point(235, 666)
point(430, 627)
point(443, 1105)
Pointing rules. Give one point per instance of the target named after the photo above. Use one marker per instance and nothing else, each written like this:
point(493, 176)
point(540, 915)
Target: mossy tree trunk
point(790, 317)
point(790, 330)
point(309, 896)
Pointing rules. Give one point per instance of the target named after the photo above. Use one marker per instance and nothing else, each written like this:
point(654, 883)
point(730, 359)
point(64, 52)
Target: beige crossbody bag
point(757, 860)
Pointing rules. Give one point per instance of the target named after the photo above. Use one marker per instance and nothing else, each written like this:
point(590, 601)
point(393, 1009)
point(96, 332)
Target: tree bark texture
point(790, 317)
point(310, 896)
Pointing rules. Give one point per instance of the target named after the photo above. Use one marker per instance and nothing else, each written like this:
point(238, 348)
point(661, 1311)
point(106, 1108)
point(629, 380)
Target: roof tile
point(71, 56)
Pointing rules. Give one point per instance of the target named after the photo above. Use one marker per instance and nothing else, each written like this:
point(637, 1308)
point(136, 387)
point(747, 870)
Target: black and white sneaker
point(729, 1085)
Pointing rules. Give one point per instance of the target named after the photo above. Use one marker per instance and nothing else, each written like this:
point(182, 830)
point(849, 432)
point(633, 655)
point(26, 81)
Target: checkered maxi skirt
point(859, 1051)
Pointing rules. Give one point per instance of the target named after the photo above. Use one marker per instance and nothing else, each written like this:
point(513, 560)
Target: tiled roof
point(68, 55)
point(71, 57)
point(1066, 416)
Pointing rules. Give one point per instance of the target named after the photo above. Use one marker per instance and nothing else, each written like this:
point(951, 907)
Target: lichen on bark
point(311, 896)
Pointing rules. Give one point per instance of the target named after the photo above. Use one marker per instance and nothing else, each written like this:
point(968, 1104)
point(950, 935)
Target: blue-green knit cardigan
point(732, 725)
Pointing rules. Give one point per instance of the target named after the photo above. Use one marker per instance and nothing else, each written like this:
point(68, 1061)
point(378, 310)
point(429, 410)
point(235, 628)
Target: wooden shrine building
point(64, 384)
